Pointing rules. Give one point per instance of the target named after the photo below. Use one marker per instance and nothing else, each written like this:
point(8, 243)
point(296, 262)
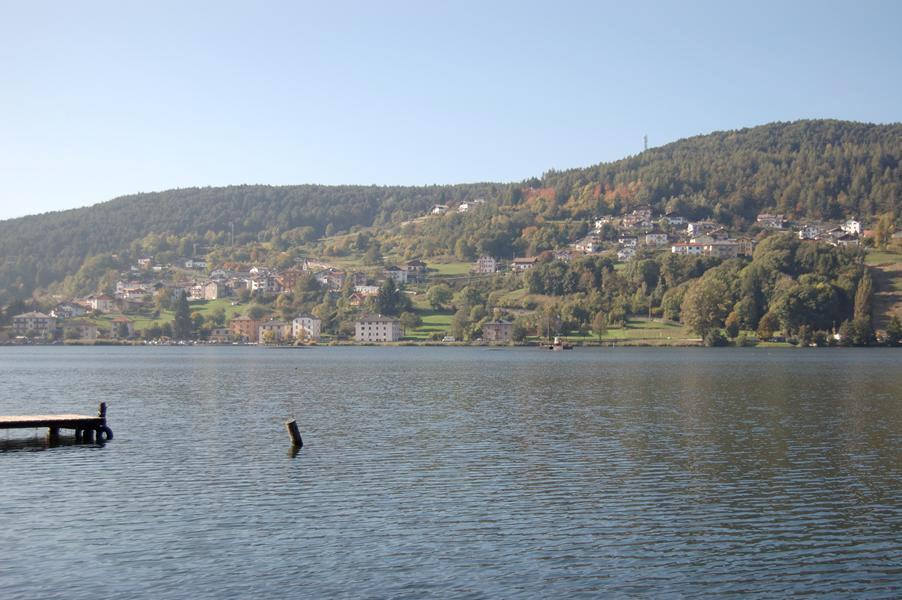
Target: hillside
point(814, 169)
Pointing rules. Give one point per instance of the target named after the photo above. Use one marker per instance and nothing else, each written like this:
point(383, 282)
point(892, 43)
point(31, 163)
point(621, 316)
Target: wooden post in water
point(54, 437)
point(294, 433)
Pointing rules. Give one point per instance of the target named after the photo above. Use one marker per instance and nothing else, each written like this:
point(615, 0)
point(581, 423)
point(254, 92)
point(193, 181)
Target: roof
point(377, 319)
point(498, 322)
point(33, 315)
point(526, 260)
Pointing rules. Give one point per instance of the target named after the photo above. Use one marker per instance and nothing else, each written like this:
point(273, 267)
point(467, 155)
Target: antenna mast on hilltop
point(645, 140)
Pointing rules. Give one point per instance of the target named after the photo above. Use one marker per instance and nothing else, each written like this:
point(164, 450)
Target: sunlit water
point(455, 472)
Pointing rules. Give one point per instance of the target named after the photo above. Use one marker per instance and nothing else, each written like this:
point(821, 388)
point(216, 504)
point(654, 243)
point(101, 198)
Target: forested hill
point(38, 250)
point(821, 169)
point(817, 169)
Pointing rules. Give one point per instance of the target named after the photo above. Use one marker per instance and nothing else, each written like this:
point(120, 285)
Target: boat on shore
point(558, 345)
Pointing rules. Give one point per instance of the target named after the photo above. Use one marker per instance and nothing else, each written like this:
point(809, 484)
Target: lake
point(455, 473)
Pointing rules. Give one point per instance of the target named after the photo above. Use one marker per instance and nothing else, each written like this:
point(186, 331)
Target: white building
point(852, 227)
point(688, 248)
point(655, 238)
point(468, 206)
point(376, 328)
point(625, 254)
point(306, 328)
point(196, 263)
point(396, 273)
point(769, 221)
point(367, 290)
point(281, 331)
point(486, 264)
point(35, 323)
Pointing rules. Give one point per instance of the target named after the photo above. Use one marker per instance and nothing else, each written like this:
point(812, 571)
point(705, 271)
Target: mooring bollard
point(294, 433)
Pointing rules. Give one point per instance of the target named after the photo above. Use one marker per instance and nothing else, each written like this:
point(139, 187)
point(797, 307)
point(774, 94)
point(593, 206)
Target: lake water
point(455, 472)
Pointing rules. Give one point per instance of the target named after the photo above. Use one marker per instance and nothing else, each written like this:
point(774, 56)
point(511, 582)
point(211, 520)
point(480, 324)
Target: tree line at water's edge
point(813, 169)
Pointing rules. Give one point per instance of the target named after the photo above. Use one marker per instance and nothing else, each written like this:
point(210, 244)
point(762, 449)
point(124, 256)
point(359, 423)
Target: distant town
point(130, 312)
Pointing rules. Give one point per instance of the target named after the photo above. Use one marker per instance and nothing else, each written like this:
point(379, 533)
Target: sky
point(103, 99)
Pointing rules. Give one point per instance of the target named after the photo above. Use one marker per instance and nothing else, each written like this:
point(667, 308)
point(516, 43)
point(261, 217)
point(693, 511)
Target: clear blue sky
point(100, 99)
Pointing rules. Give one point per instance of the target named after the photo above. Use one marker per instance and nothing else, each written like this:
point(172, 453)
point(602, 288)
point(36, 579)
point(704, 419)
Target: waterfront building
point(376, 328)
point(246, 329)
point(34, 323)
point(280, 331)
point(79, 329)
point(497, 331)
point(306, 327)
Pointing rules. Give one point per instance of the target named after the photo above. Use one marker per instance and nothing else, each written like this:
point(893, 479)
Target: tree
point(410, 320)
point(863, 294)
point(731, 325)
point(439, 295)
point(519, 331)
point(181, 324)
point(804, 336)
point(257, 312)
point(600, 324)
point(460, 325)
point(894, 332)
point(373, 255)
point(705, 305)
point(883, 230)
point(767, 325)
point(714, 338)
point(390, 300)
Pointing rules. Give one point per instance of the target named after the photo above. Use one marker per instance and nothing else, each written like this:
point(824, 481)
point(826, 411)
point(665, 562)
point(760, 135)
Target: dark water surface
point(455, 472)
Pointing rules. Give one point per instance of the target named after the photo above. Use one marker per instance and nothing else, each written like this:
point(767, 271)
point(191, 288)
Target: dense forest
point(805, 169)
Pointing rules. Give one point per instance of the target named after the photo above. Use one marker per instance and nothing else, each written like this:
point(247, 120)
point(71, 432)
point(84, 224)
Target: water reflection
point(42, 442)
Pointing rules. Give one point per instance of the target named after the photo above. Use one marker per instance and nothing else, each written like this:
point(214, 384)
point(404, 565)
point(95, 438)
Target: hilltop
point(806, 169)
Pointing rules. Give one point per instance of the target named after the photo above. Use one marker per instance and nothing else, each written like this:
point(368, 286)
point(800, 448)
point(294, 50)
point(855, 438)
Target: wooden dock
point(86, 427)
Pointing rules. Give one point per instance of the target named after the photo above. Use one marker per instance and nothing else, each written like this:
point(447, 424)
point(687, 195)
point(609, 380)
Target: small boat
point(559, 344)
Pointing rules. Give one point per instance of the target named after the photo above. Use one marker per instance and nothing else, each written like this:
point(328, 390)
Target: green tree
point(804, 336)
point(390, 300)
point(439, 295)
point(181, 324)
point(600, 324)
point(410, 320)
point(894, 332)
point(883, 230)
point(705, 305)
point(731, 325)
point(768, 324)
point(863, 294)
point(373, 255)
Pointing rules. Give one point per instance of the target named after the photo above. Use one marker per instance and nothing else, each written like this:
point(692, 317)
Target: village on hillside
point(219, 297)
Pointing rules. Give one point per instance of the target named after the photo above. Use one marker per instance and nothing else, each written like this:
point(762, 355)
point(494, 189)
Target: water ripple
point(455, 473)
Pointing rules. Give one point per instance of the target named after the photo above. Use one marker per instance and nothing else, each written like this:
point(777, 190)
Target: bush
point(715, 338)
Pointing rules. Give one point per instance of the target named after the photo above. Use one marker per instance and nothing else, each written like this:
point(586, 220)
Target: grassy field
point(147, 320)
point(450, 269)
point(433, 322)
point(882, 257)
point(886, 268)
